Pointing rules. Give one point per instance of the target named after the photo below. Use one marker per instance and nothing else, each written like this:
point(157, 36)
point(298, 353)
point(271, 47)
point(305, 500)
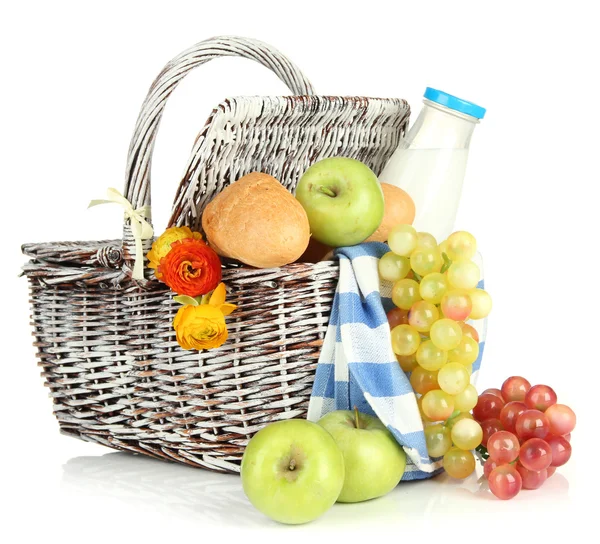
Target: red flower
point(190, 268)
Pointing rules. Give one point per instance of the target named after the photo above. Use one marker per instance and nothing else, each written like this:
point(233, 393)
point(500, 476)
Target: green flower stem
point(185, 300)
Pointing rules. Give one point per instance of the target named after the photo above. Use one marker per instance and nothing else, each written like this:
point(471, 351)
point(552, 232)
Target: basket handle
point(137, 179)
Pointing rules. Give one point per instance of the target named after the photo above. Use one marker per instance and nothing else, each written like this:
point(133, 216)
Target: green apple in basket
point(343, 200)
point(292, 471)
point(373, 459)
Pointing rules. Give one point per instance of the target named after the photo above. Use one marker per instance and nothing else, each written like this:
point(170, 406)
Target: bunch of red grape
point(526, 435)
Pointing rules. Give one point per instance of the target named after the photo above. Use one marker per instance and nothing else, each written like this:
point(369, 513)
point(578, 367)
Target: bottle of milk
point(431, 159)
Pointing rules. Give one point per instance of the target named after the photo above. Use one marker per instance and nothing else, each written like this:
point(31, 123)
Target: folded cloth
point(357, 366)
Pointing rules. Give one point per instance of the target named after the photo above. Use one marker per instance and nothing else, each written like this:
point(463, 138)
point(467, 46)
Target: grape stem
point(417, 276)
point(447, 262)
point(482, 451)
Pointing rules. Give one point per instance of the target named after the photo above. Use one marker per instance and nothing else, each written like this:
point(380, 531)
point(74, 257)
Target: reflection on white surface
point(169, 487)
point(178, 490)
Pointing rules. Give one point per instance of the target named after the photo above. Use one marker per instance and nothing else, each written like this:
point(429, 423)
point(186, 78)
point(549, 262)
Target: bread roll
point(257, 221)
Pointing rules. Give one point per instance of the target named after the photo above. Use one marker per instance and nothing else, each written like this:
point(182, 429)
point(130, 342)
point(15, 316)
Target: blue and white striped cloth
point(357, 366)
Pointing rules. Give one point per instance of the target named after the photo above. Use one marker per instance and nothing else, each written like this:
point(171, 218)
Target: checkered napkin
point(357, 366)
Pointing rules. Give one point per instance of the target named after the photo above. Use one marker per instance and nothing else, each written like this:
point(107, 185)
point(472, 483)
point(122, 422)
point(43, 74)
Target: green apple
point(343, 201)
point(292, 471)
point(374, 462)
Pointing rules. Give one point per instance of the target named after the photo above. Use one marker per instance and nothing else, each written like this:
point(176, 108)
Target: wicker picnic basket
point(106, 346)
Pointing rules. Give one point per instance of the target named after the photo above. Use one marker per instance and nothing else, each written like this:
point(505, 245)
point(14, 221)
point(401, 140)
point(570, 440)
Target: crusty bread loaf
point(257, 221)
point(399, 210)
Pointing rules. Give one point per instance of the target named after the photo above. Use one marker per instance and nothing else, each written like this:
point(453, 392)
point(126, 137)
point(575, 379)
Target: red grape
point(562, 419)
point(550, 470)
point(515, 388)
point(505, 482)
point(567, 437)
point(469, 330)
point(503, 447)
point(532, 424)
point(561, 450)
point(397, 316)
point(535, 454)
point(540, 397)
point(488, 406)
point(488, 466)
point(509, 413)
point(493, 391)
point(489, 427)
point(530, 478)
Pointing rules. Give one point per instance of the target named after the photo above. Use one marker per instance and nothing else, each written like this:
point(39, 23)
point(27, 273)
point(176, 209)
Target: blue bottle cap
point(454, 103)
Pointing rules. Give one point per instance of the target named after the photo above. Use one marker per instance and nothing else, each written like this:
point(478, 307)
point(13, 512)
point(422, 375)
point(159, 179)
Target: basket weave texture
point(106, 345)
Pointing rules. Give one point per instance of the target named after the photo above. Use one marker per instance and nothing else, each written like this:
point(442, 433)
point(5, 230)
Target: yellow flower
point(217, 300)
point(203, 326)
point(200, 327)
point(162, 245)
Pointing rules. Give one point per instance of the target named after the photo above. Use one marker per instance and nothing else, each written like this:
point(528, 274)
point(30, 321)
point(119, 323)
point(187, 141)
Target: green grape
point(469, 369)
point(459, 463)
point(424, 418)
point(422, 381)
point(426, 240)
point(456, 304)
point(445, 334)
point(402, 240)
point(465, 353)
point(392, 267)
point(443, 247)
point(463, 274)
point(431, 357)
point(453, 378)
point(407, 362)
point(437, 405)
point(466, 434)
point(433, 287)
point(481, 303)
point(405, 293)
point(405, 340)
point(426, 261)
point(462, 415)
point(461, 245)
point(437, 438)
point(422, 315)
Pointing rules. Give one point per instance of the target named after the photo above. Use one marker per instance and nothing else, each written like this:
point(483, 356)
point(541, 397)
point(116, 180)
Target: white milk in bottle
point(430, 161)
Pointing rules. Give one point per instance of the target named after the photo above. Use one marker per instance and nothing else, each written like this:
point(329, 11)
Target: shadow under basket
point(106, 344)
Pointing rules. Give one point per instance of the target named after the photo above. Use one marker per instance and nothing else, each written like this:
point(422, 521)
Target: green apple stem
point(356, 417)
point(327, 191)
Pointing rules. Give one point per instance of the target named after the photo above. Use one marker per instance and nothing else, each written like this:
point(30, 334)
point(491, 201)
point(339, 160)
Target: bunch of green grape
point(435, 293)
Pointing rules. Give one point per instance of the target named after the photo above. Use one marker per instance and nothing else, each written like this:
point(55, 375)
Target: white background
point(74, 75)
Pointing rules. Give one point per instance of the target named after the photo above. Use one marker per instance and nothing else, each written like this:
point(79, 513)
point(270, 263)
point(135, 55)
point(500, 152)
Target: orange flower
point(190, 268)
point(203, 326)
point(162, 245)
